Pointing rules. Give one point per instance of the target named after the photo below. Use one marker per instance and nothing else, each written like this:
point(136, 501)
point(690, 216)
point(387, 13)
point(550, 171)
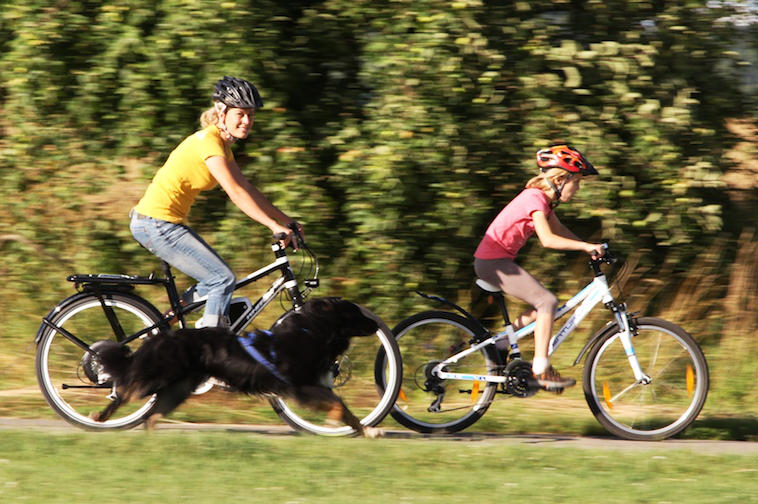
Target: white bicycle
point(644, 378)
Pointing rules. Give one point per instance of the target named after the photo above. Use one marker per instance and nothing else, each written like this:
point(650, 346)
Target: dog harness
point(247, 342)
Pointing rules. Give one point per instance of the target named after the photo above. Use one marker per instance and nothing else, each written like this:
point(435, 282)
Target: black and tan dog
point(298, 352)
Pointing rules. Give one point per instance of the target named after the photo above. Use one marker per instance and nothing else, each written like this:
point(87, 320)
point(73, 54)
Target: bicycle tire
point(426, 338)
point(661, 409)
point(64, 382)
point(367, 399)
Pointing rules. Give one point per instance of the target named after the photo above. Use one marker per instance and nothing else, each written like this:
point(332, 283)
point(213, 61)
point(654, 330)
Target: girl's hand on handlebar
point(596, 250)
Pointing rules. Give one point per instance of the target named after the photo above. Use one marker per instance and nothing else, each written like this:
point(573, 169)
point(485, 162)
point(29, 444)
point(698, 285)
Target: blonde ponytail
point(556, 175)
point(209, 117)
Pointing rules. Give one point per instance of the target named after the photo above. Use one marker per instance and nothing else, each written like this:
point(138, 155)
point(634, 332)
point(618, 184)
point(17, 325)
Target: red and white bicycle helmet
point(566, 158)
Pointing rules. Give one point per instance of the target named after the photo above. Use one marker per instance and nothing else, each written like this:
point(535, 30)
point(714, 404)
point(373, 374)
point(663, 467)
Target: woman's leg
point(185, 250)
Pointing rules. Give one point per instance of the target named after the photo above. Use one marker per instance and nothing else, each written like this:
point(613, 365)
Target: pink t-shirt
point(513, 225)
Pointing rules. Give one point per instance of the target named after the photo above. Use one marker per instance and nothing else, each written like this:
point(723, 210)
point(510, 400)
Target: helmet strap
point(558, 190)
point(221, 109)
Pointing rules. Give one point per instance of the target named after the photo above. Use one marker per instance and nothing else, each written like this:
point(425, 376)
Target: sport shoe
point(204, 387)
point(209, 384)
point(552, 381)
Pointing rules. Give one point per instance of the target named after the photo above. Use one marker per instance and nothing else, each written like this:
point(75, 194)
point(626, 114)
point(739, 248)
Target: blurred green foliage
point(394, 129)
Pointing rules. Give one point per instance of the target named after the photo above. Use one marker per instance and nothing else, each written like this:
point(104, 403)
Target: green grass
point(217, 467)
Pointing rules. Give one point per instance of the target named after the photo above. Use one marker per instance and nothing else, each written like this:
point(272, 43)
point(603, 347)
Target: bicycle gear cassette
point(520, 380)
point(92, 368)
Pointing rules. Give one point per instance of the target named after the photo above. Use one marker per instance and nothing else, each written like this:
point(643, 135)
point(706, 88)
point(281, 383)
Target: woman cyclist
point(201, 162)
point(561, 170)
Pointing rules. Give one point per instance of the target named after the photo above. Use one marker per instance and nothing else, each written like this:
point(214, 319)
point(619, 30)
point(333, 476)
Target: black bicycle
point(107, 308)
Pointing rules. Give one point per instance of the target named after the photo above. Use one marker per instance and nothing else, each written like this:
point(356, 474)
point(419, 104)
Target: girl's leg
point(517, 282)
point(185, 250)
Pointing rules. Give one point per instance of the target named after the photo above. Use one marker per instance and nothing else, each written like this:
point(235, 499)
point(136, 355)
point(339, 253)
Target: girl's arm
point(555, 235)
point(558, 228)
point(249, 199)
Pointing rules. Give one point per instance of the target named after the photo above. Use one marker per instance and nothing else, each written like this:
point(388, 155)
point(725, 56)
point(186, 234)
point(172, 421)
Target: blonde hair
point(556, 175)
point(209, 117)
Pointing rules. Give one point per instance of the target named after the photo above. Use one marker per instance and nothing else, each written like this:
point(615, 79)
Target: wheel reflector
point(401, 395)
point(475, 391)
point(690, 380)
point(607, 395)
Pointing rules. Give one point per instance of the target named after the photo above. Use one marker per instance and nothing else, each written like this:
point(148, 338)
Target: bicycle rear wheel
point(657, 410)
point(426, 403)
point(65, 373)
point(354, 382)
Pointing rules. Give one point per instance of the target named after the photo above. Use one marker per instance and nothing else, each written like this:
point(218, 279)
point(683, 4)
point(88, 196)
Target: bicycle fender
point(56, 309)
point(466, 314)
point(610, 327)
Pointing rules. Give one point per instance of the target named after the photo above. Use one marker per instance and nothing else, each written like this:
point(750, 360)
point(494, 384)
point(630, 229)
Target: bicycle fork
point(625, 336)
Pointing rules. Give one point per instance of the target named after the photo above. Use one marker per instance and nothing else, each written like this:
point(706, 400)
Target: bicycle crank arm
point(444, 375)
point(66, 386)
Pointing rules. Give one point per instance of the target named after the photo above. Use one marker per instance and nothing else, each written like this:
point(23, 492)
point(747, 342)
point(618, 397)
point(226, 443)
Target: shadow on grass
point(724, 428)
point(721, 428)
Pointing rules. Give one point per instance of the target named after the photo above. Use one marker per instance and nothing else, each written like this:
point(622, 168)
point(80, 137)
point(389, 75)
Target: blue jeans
point(182, 248)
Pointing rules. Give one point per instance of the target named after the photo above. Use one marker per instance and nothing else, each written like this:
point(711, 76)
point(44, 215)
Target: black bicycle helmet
point(239, 93)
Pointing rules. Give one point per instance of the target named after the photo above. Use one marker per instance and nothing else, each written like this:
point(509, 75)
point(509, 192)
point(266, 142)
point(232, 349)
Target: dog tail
point(113, 358)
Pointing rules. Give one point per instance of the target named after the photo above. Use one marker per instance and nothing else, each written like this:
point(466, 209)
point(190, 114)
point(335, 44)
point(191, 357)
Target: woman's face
point(570, 188)
point(238, 121)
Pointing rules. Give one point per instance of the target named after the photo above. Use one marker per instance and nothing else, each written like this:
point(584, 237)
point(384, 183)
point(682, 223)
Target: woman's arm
point(249, 199)
point(553, 234)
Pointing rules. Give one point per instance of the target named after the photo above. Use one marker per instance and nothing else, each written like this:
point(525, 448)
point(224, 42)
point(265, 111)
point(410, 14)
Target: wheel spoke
point(357, 378)
point(68, 384)
point(672, 391)
point(428, 403)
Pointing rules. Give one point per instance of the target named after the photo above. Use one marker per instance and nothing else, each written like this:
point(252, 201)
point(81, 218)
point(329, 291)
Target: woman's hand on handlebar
point(291, 234)
point(297, 229)
point(284, 234)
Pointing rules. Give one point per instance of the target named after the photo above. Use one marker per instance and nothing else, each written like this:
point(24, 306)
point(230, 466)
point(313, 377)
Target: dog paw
point(373, 432)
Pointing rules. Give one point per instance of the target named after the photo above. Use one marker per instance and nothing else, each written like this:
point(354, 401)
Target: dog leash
point(247, 343)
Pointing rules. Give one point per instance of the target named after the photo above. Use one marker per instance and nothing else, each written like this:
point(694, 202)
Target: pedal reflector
point(607, 395)
point(475, 391)
point(401, 395)
point(690, 380)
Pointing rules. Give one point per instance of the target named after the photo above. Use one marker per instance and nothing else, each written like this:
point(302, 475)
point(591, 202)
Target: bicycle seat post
point(499, 297)
point(173, 294)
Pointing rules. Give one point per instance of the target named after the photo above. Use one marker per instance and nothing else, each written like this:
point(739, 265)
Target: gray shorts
point(517, 282)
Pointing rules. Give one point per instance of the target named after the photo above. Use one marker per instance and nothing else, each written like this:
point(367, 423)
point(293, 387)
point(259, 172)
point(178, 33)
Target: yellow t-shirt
point(178, 182)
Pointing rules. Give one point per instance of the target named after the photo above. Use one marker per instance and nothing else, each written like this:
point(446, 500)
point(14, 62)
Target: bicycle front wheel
point(65, 372)
point(650, 409)
point(354, 382)
point(426, 403)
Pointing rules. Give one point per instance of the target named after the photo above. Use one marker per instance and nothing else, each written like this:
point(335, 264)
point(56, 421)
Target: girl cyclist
point(201, 162)
point(561, 170)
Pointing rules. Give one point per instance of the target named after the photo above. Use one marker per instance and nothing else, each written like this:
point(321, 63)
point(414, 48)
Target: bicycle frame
point(98, 283)
point(584, 302)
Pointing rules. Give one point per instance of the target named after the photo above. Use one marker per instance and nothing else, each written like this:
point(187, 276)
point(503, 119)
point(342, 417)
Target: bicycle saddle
point(486, 286)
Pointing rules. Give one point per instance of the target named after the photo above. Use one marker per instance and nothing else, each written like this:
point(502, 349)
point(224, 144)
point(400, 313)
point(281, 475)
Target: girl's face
point(570, 188)
point(238, 121)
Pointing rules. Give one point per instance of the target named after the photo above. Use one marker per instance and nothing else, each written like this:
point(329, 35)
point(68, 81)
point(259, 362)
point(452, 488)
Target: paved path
point(589, 443)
